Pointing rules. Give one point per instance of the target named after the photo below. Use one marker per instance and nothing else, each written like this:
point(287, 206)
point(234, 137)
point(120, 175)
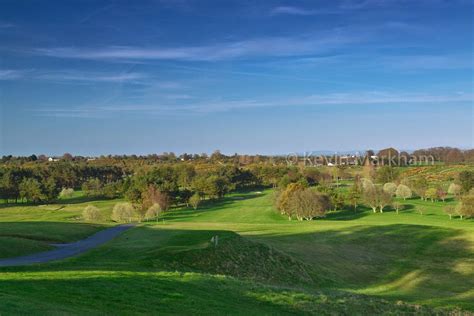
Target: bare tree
point(384, 199)
point(454, 189)
point(371, 198)
point(403, 192)
point(398, 206)
point(390, 188)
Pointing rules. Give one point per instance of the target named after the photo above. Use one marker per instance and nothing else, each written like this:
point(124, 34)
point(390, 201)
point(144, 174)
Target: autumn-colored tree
point(454, 156)
point(466, 179)
point(308, 204)
point(441, 193)
point(283, 199)
point(420, 186)
point(465, 207)
point(432, 194)
point(450, 210)
point(149, 197)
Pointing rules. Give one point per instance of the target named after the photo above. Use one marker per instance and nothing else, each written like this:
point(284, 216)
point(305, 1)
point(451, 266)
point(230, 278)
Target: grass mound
point(238, 257)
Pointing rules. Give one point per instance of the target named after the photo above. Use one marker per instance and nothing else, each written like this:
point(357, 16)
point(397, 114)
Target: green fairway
point(27, 229)
point(348, 261)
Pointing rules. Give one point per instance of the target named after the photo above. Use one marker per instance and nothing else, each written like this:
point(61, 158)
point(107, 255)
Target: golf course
point(349, 262)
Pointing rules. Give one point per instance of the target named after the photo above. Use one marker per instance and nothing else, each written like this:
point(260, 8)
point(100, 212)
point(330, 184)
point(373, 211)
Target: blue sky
point(270, 77)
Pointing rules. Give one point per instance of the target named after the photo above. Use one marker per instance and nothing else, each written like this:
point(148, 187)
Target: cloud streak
point(92, 77)
point(9, 74)
point(252, 48)
point(215, 106)
point(288, 10)
point(71, 76)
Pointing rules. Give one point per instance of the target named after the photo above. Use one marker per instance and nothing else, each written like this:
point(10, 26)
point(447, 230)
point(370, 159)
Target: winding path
point(64, 251)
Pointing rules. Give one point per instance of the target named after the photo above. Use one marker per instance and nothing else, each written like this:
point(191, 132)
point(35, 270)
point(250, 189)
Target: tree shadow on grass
point(132, 293)
point(50, 232)
point(211, 205)
point(348, 214)
point(410, 262)
point(58, 202)
point(416, 263)
point(176, 294)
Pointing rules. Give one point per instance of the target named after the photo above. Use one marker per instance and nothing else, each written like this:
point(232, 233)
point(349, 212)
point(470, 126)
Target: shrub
point(91, 214)
point(153, 211)
point(66, 192)
point(194, 200)
point(123, 212)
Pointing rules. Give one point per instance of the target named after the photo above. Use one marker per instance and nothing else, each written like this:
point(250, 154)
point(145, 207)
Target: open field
point(349, 261)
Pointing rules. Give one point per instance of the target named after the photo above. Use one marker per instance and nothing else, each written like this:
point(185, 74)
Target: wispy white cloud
point(289, 10)
point(358, 5)
point(91, 77)
point(382, 63)
point(221, 105)
point(71, 76)
point(427, 62)
point(8, 74)
point(260, 47)
point(352, 98)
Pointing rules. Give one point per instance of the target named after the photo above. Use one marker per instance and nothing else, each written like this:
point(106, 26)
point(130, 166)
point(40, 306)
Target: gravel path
point(67, 250)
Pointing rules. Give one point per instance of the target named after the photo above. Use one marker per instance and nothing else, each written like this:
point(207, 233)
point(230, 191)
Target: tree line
point(299, 200)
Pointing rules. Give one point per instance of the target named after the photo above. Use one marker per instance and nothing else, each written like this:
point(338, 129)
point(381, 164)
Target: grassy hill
point(349, 263)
